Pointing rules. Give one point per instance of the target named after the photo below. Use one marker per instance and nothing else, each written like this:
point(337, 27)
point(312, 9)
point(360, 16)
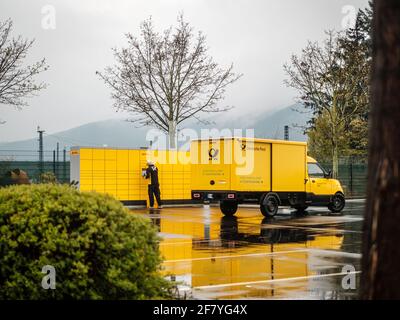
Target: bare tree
point(165, 79)
point(17, 80)
point(332, 82)
point(381, 253)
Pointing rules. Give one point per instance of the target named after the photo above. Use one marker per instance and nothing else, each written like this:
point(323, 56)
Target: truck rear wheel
point(269, 205)
point(338, 203)
point(228, 207)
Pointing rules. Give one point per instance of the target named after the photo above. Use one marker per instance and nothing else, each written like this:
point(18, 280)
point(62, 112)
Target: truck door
point(317, 183)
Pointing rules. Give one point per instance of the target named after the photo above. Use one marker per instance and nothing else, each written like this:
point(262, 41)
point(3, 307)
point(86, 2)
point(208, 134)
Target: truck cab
point(321, 189)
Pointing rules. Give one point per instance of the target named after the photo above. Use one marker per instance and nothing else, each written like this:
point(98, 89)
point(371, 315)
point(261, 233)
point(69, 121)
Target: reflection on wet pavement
point(249, 257)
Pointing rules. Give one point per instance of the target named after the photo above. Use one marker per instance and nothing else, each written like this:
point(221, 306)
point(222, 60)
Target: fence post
point(351, 175)
point(64, 165)
point(54, 162)
point(58, 161)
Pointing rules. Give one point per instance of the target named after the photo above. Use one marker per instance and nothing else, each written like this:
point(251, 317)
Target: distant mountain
point(123, 134)
point(272, 125)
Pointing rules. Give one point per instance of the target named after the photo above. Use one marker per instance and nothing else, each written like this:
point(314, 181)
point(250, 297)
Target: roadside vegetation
point(333, 81)
point(48, 177)
point(98, 249)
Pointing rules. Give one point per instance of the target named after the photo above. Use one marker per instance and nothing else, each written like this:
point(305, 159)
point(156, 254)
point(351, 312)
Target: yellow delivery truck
point(267, 172)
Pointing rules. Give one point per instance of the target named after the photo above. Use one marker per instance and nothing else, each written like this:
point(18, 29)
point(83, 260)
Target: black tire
point(269, 205)
point(338, 203)
point(228, 207)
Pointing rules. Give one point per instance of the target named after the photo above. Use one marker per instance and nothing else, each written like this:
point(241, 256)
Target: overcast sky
point(258, 36)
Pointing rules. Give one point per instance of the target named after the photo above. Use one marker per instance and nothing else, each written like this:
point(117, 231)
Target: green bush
point(98, 249)
point(48, 177)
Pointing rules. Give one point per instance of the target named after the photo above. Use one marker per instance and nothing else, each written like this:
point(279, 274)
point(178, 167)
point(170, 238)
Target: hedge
point(98, 249)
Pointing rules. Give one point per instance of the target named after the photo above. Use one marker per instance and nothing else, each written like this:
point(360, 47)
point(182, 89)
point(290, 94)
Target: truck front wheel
point(228, 207)
point(338, 203)
point(269, 205)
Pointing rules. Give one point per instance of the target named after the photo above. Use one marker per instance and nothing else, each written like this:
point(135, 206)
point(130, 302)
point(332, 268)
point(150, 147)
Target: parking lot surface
point(313, 256)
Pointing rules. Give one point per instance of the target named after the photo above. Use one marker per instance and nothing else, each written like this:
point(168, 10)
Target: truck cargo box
point(252, 165)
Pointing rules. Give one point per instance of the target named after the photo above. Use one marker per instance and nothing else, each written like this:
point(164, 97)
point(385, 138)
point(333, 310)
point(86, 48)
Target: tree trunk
point(335, 161)
point(172, 134)
point(380, 277)
point(335, 138)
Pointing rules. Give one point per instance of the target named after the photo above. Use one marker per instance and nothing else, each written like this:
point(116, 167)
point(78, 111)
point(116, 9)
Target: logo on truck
point(213, 153)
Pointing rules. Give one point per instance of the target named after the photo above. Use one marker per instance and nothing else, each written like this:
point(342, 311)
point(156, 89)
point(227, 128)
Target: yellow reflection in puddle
point(221, 253)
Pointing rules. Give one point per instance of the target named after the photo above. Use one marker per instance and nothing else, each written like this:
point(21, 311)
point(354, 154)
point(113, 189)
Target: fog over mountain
point(120, 133)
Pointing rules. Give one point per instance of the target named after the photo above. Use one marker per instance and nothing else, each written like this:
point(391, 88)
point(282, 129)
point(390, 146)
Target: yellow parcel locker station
point(263, 171)
point(118, 172)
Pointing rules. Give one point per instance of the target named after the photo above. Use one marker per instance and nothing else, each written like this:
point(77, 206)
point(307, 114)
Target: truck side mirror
point(329, 175)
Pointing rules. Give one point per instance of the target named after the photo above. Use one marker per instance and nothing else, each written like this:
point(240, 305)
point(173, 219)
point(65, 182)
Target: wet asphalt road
point(250, 257)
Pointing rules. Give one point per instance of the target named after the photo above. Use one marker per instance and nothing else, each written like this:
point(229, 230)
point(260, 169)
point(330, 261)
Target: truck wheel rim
point(337, 202)
point(271, 205)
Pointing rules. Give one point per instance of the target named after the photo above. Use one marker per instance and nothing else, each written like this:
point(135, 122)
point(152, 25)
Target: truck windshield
point(314, 170)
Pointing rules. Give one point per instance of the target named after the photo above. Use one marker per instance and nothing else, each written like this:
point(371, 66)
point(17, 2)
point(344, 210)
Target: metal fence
point(28, 161)
point(352, 176)
point(352, 171)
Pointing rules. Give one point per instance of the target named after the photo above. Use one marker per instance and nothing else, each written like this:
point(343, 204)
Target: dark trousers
point(154, 190)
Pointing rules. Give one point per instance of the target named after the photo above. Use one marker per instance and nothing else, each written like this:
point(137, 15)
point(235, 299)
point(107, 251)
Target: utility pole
point(64, 165)
point(40, 149)
point(58, 151)
point(286, 133)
